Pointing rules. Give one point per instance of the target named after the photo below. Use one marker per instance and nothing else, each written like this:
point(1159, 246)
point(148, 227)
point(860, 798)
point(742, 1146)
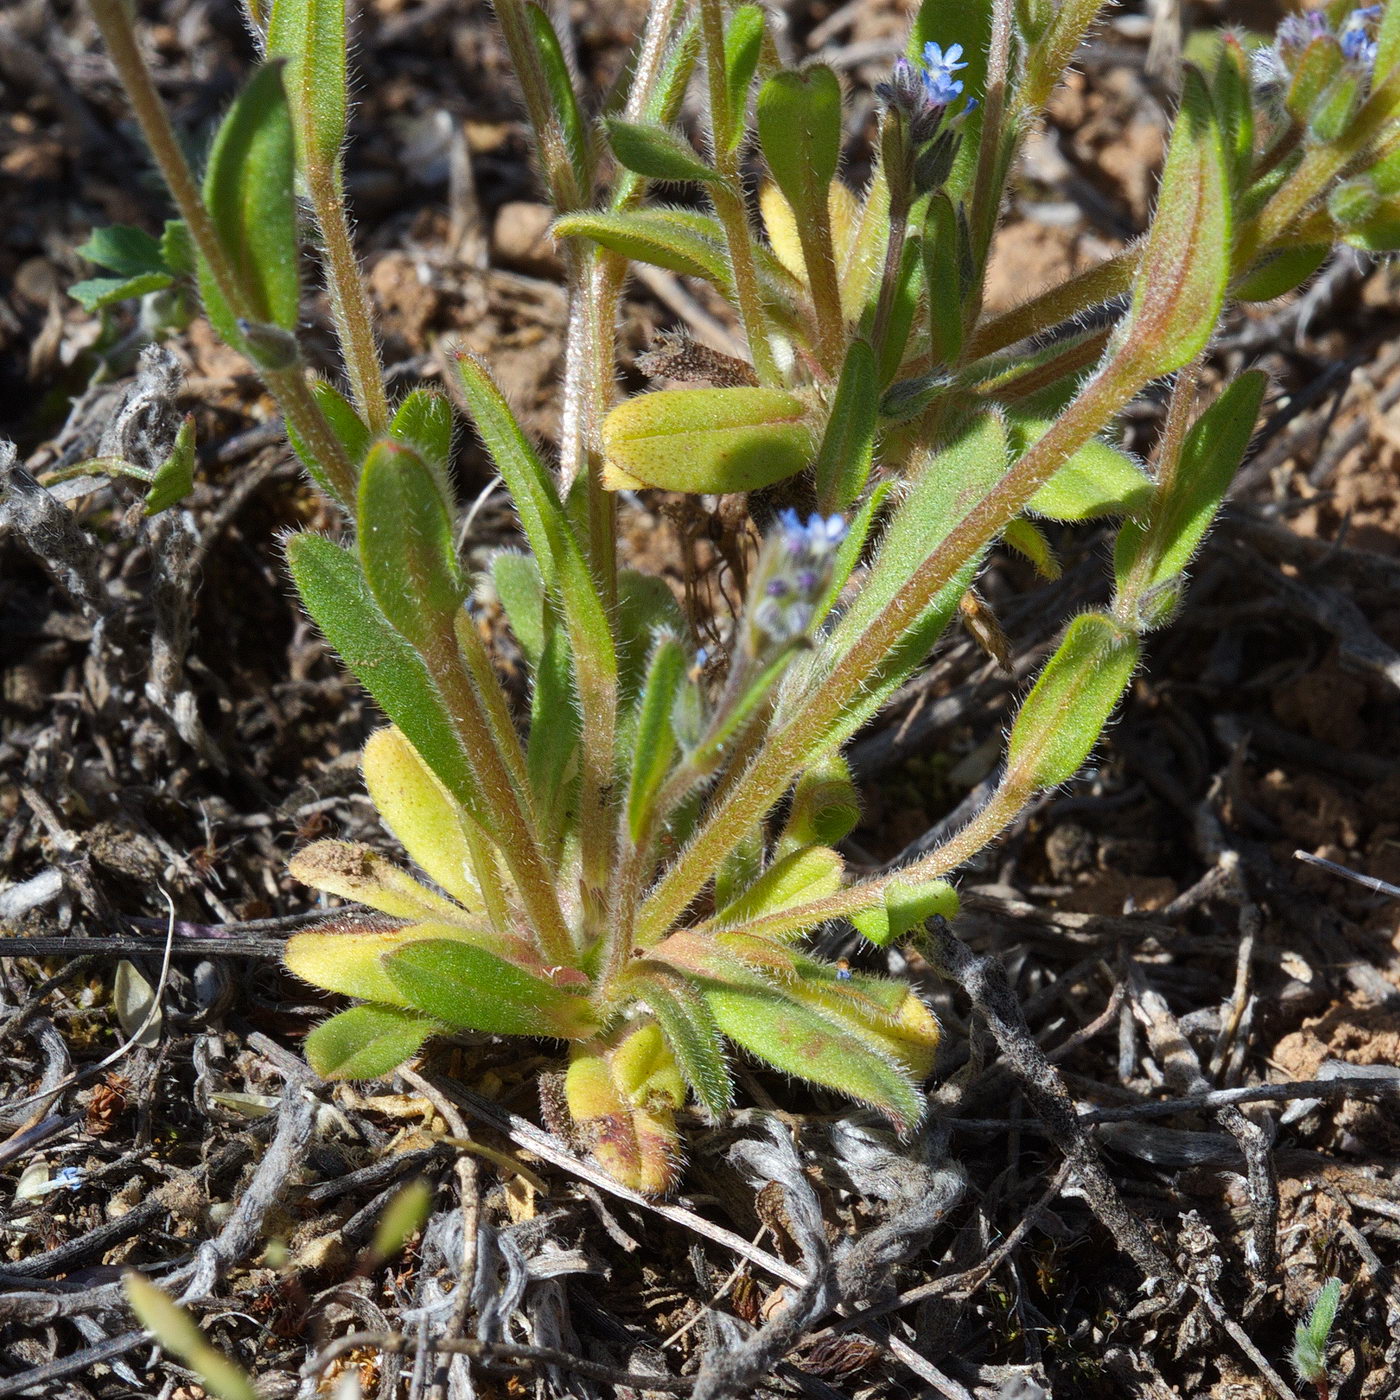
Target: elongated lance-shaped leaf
point(367, 1042)
point(1096, 480)
point(348, 957)
point(249, 190)
point(648, 236)
point(553, 761)
point(848, 445)
point(1150, 553)
point(407, 550)
point(1185, 266)
point(743, 42)
point(310, 35)
point(472, 989)
point(414, 805)
point(180, 1335)
point(520, 591)
point(347, 426)
point(654, 743)
point(661, 104)
point(333, 589)
point(689, 1026)
point(571, 585)
point(356, 871)
point(658, 152)
point(799, 128)
point(562, 97)
point(1062, 718)
point(706, 440)
point(798, 878)
point(808, 1042)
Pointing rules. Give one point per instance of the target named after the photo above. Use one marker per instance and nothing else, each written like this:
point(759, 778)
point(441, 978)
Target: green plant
point(1310, 1340)
point(635, 873)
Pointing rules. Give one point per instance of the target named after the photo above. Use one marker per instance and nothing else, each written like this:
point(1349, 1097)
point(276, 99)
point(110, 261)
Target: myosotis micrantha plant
point(633, 871)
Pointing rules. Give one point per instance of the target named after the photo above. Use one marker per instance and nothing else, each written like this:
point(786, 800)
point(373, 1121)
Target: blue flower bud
point(791, 575)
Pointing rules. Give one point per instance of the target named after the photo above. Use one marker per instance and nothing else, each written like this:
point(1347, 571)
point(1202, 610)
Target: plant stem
point(728, 197)
point(288, 386)
point(819, 255)
point(349, 300)
point(989, 181)
point(514, 832)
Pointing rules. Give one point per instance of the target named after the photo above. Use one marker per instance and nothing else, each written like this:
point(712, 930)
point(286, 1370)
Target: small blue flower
point(792, 572)
point(1355, 36)
point(940, 87)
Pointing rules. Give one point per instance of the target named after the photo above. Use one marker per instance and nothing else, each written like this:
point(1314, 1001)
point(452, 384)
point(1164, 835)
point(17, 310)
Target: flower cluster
point(924, 92)
point(1355, 35)
point(793, 571)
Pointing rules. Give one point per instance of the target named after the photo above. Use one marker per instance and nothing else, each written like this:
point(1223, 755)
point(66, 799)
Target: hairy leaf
point(367, 1042)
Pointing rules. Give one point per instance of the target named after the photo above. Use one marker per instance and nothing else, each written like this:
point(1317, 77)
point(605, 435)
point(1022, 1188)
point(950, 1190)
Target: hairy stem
point(728, 197)
point(288, 386)
point(349, 299)
point(514, 831)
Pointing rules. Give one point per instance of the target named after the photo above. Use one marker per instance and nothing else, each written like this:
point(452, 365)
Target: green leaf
point(743, 42)
point(1233, 93)
point(645, 607)
point(825, 806)
point(704, 440)
point(406, 1213)
point(809, 1044)
point(649, 236)
point(1097, 480)
point(848, 445)
point(800, 878)
point(98, 293)
point(1028, 540)
point(662, 105)
point(566, 573)
point(406, 542)
point(654, 744)
point(129, 252)
point(520, 590)
point(174, 478)
point(1278, 273)
point(1311, 1337)
point(1061, 719)
point(179, 1334)
point(424, 420)
point(249, 188)
point(310, 35)
point(657, 152)
point(689, 1026)
point(334, 591)
point(903, 308)
point(472, 989)
point(177, 248)
point(906, 907)
point(1149, 554)
point(367, 1042)
point(1185, 267)
point(562, 97)
point(1388, 41)
point(799, 128)
point(947, 486)
point(347, 425)
point(552, 761)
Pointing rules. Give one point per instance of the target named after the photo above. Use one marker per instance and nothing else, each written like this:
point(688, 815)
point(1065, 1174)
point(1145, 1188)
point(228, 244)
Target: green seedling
point(631, 868)
point(1310, 1340)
